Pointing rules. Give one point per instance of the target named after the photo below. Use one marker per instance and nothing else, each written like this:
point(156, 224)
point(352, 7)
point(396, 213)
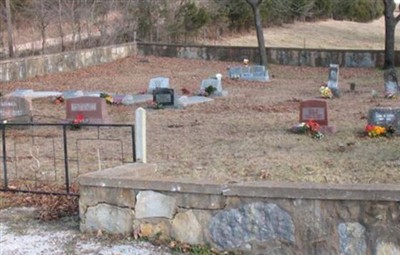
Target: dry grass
point(243, 136)
point(329, 34)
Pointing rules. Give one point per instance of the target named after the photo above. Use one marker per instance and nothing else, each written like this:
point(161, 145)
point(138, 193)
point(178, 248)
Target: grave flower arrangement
point(76, 123)
point(107, 97)
point(325, 91)
point(310, 127)
point(59, 100)
point(377, 131)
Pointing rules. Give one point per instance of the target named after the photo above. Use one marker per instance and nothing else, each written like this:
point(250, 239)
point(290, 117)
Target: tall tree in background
point(255, 5)
point(9, 30)
point(390, 25)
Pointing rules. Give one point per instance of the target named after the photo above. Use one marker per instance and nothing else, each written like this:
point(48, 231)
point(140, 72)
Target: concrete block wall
point(255, 218)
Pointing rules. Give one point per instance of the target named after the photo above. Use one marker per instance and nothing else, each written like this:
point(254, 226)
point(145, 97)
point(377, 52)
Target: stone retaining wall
point(282, 56)
point(256, 218)
point(23, 68)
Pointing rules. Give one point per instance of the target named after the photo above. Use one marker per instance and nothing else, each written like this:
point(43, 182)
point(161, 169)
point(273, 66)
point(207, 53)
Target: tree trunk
point(9, 30)
point(255, 5)
point(60, 28)
point(390, 26)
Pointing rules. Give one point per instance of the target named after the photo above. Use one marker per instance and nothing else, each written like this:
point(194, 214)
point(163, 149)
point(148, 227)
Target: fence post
point(3, 139)
point(140, 135)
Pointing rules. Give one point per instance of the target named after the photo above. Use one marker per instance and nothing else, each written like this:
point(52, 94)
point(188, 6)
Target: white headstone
point(211, 82)
point(158, 82)
point(140, 135)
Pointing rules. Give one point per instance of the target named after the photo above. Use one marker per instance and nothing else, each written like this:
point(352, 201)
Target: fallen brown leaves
point(51, 207)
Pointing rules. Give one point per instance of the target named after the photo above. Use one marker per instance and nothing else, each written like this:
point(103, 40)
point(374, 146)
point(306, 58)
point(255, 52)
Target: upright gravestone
point(333, 79)
point(158, 82)
point(385, 117)
point(15, 110)
point(163, 96)
point(391, 83)
point(316, 110)
point(93, 109)
point(215, 84)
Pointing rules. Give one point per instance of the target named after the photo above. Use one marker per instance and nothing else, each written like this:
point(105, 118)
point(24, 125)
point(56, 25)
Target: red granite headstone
point(93, 109)
point(316, 110)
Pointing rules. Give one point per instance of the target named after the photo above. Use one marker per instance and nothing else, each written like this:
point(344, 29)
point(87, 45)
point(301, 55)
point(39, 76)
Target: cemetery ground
point(243, 136)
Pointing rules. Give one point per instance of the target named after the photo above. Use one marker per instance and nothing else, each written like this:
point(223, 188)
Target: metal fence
point(47, 158)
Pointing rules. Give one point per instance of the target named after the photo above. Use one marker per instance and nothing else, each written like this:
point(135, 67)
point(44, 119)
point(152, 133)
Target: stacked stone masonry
point(23, 68)
point(255, 218)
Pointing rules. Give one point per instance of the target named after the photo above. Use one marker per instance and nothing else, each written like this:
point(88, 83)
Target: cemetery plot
point(243, 136)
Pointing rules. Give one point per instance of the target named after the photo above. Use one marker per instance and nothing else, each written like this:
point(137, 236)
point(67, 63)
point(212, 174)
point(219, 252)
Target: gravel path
point(22, 234)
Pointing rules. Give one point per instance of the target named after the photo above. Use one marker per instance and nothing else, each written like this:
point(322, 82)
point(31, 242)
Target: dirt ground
point(243, 136)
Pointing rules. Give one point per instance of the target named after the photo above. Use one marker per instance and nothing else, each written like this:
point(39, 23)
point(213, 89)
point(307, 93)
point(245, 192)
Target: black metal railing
point(47, 158)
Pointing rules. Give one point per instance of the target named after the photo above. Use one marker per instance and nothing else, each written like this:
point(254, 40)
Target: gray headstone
point(235, 72)
point(391, 83)
point(333, 79)
point(158, 82)
point(15, 110)
point(251, 73)
point(385, 117)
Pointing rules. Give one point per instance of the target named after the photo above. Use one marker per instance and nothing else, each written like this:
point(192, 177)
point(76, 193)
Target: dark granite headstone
point(92, 108)
point(316, 110)
point(15, 110)
point(163, 96)
point(385, 117)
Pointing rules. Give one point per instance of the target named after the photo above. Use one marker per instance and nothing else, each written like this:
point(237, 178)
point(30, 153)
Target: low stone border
point(266, 217)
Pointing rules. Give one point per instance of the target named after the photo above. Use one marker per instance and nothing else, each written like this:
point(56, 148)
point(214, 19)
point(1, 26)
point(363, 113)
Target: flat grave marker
point(15, 110)
point(92, 108)
point(385, 117)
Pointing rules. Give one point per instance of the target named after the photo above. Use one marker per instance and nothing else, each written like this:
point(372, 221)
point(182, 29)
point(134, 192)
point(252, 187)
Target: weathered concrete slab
point(383, 192)
point(145, 177)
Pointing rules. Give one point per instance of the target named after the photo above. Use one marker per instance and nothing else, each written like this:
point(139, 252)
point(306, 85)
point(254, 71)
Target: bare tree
point(9, 30)
point(255, 5)
point(390, 26)
point(60, 27)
